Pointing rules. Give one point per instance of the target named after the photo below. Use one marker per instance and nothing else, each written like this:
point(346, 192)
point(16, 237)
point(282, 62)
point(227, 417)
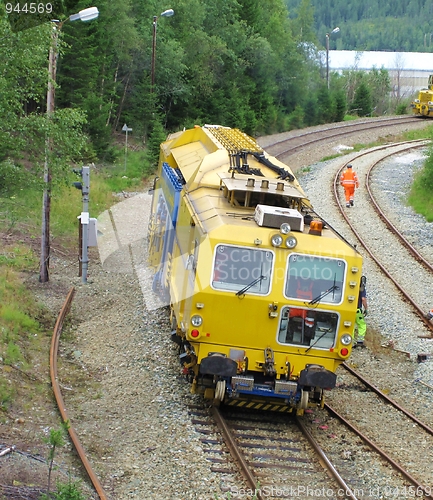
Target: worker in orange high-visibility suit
point(304, 291)
point(349, 180)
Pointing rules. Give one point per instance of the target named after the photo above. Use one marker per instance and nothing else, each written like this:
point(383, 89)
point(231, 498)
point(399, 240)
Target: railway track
point(285, 145)
point(418, 264)
point(260, 473)
point(410, 427)
point(59, 398)
point(412, 461)
point(276, 455)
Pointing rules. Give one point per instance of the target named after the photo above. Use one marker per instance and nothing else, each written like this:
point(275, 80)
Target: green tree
point(325, 110)
point(303, 27)
point(96, 67)
point(340, 105)
point(362, 102)
point(54, 440)
point(23, 81)
point(24, 126)
point(379, 84)
point(156, 136)
point(310, 111)
point(372, 25)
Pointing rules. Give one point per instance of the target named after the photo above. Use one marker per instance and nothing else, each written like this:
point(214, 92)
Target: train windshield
point(237, 268)
point(315, 280)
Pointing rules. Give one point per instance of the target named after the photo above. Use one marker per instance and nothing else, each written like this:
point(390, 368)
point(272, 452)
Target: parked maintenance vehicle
point(262, 291)
point(423, 106)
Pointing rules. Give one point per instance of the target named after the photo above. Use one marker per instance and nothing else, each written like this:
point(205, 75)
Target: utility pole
point(166, 13)
point(335, 30)
point(46, 199)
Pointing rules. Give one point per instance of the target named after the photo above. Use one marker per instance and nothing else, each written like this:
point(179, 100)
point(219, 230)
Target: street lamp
point(335, 30)
point(83, 15)
point(126, 129)
point(166, 13)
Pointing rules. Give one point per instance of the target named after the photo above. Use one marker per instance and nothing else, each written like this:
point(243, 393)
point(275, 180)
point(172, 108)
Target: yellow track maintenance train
point(423, 106)
point(263, 292)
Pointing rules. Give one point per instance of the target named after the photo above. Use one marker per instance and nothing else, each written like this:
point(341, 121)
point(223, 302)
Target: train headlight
point(196, 320)
point(276, 240)
point(291, 242)
point(285, 228)
point(346, 339)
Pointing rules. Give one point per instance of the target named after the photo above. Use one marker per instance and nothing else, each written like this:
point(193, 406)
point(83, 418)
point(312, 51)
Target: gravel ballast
point(130, 407)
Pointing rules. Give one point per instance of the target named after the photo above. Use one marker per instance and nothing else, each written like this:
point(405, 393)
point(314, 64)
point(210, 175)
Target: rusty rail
point(58, 395)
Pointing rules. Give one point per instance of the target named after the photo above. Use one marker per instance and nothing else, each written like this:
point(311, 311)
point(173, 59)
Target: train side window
point(237, 267)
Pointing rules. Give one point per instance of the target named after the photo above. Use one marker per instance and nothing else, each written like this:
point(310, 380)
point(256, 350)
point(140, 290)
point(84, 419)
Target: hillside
point(398, 26)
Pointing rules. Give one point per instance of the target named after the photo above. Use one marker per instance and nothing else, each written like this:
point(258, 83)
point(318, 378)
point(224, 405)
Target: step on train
point(262, 291)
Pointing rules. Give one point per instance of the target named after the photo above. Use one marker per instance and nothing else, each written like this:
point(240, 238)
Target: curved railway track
point(284, 145)
point(426, 490)
point(59, 398)
point(365, 239)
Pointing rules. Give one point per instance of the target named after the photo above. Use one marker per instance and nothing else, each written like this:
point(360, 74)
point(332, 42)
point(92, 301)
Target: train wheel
point(220, 390)
point(304, 400)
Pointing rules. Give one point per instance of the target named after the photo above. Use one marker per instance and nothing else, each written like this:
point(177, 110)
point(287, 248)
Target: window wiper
point(333, 288)
point(318, 340)
point(317, 299)
point(245, 288)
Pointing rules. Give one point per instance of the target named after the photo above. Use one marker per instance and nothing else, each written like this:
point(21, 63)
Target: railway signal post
point(84, 185)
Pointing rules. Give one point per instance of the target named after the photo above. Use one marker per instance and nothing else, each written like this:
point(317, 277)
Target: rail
point(58, 395)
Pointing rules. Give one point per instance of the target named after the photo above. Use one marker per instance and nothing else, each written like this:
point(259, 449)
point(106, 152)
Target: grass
point(18, 323)
point(421, 200)
point(25, 325)
point(17, 256)
point(118, 178)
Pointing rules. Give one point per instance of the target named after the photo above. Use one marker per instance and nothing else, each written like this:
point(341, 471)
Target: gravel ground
point(127, 400)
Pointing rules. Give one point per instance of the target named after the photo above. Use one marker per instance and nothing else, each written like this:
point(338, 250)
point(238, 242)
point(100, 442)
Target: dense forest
point(242, 63)
point(397, 25)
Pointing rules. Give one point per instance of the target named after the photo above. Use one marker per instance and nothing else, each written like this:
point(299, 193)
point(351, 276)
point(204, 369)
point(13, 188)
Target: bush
point(65, 491)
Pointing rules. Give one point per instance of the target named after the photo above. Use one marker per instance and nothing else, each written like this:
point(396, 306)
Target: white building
point(409, 71)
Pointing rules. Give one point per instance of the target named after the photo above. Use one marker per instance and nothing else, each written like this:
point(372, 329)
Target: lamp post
point(83, 15)
point(166, 13)
point(335, 30)
point(126, 129)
